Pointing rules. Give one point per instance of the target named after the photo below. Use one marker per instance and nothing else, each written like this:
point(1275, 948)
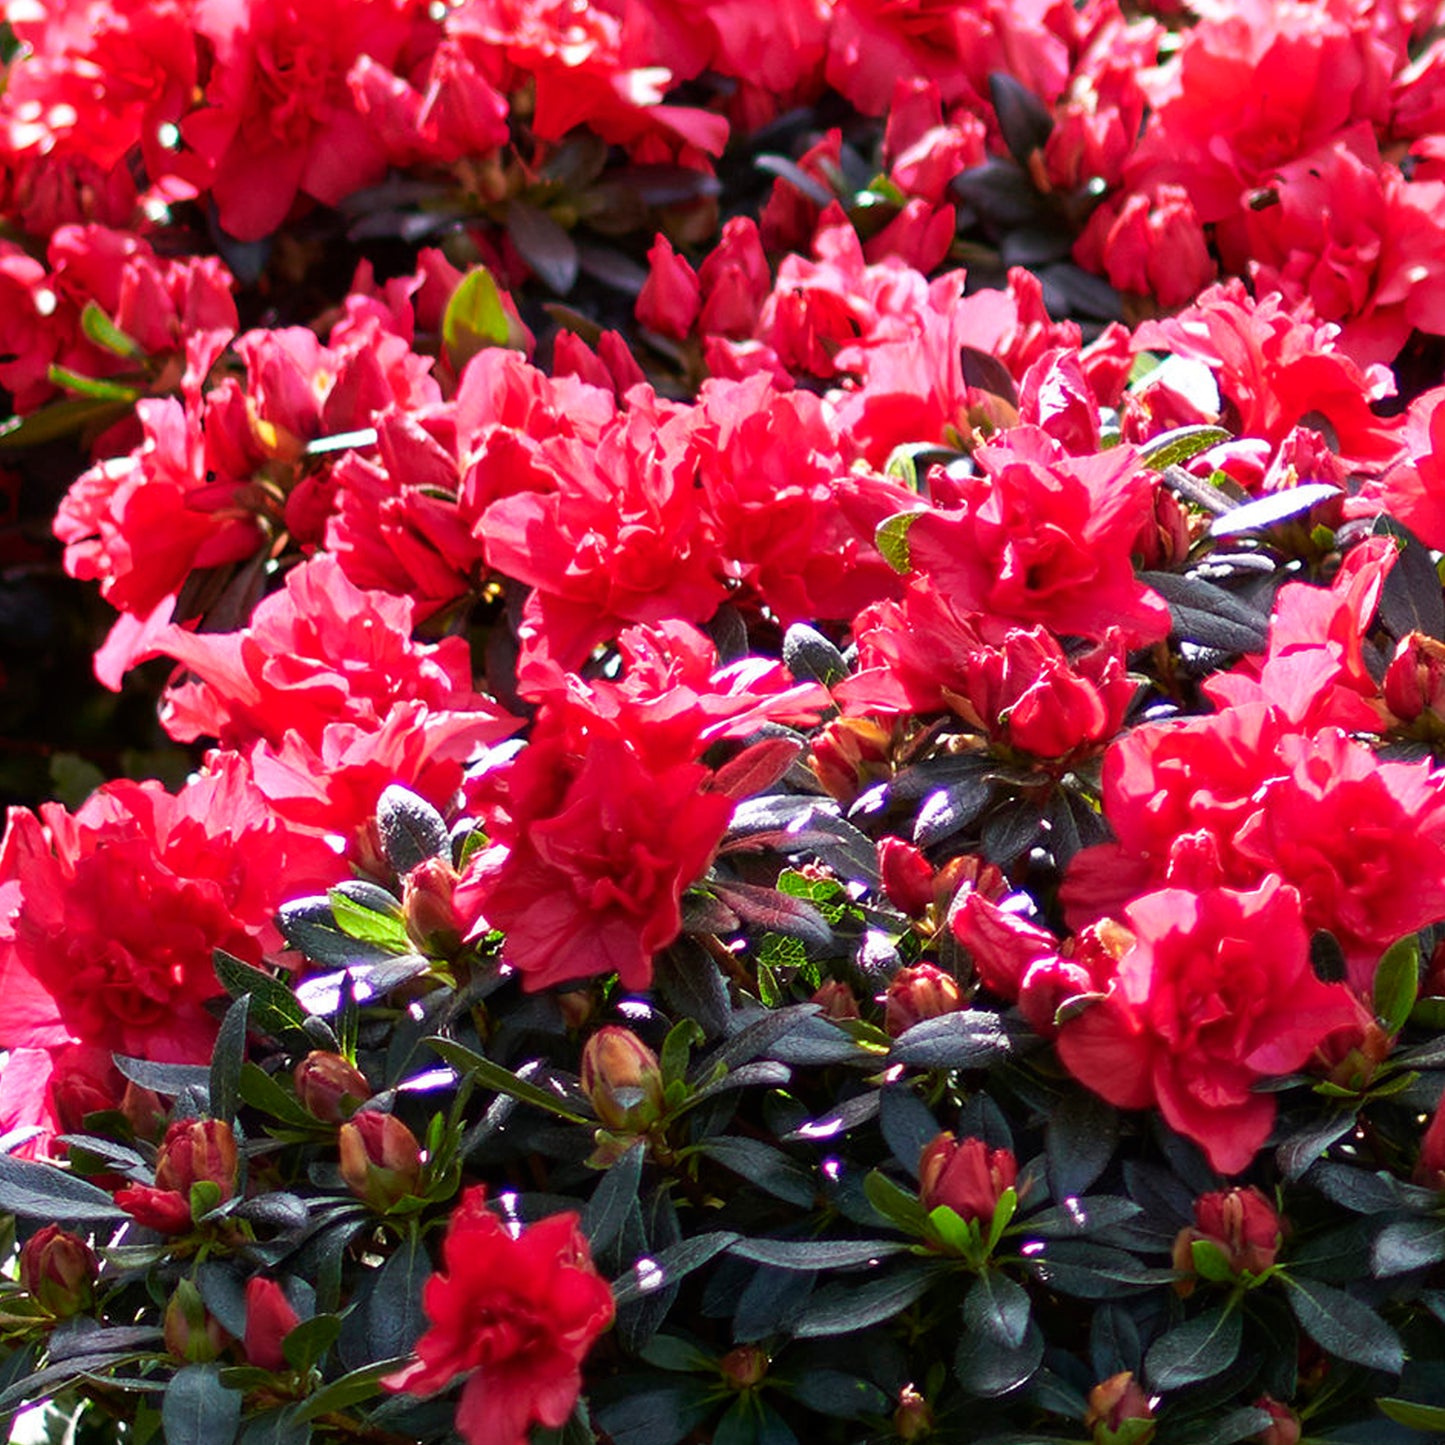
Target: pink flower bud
point(837, 1000)
point(329, 1087)
point(1285, 1429)
point(744, 1367)
point(907, 876)
point(1241, 1223)
point(380, 1158)
point(431, 915)
point(622, 1078)
point(913, 1419)
point(670, 297)
point(192, 1332)
point(918, 993)
point(1112, 1405)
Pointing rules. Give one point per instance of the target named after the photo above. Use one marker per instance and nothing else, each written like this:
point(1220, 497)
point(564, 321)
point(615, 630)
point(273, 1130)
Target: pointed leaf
point(1343, 1326)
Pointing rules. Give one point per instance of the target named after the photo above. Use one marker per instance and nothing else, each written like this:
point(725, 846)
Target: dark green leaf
point(1078, 1217)
point(226, 1061)
point(999, 1308)
point(1406, 1245)
point(1083, 1132)
point(843, 1396)
point(308, 925)
point(770, 1169)
point(489, 1075)
point(543, 245)
point(382, 925)
point(1203, 613)
point(1024, 121)
point(59, 419)
point(1358, 1189)
point(951, 809)
point(1299, 1150)
point(1411, 600)
point(307, 1344)
point(1009, 830)
point(810, 657)
point(44, 1191)
point(816, 1254)
point(1397, 983)
point(908, 1124)
point(1344, 1327)
point(171, 1079)
point(968, 1039)
point(198, 1409)
point(658, 1416)
point(777, 912)
point(988, 1368)
point(690, 985)
point(845, 1306)
point(794, 174)
point(276, 1427)
point(670, 1265)
point(1269, 511)
point(1092, 1271)
point(1199, 1349)
point(349, 1390)
point(613, 1199)
point(411, 830)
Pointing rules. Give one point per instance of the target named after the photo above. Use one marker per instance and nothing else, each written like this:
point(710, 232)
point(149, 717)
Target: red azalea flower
point(1216, 993)
point(516, 1314)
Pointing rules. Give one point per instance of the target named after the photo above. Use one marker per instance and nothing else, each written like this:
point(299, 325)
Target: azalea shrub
point(724, 722)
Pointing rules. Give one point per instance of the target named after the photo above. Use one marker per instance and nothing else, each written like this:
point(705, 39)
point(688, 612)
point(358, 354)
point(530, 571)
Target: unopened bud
point(918, 993)
point(1415, 679)
point(849, 754)
point(58, 1269)
point(196, 1151)
point(431, 915)
point(913, 1419)
point(1114, 1407)
point(744, 1367)
point(269, 1319)
point(75, 1095)
point(330, 1087)
point(143, 1111)
point(907, 876)
point(622, 1078)
point(1284, 1427)
point(837, 1001)
point(380, 1158)
point(192, 1332)
point(966, 1175)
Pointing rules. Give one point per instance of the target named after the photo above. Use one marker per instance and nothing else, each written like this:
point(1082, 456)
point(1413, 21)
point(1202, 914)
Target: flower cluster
point(798, 657)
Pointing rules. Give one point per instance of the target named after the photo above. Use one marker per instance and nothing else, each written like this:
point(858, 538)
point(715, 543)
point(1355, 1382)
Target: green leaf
point(669, 1353)
point(90, 387)
point(1199, 1349)
point(1297, 1152)
point(1414, 1414)
point(1082, 1134)
point(968, 1039)
point(1397, 983)
point(274, 1009)
point(101, 331)
point(677, 1049)
point(1076, 1218)
point(613, 1200)
point(1172, 447)
point(371, 922)
point(1211, 1262)
point(768, 1168)
point(307, 1344)
point(836, 1393)
point(475, 318)
point(276, 1427)
point(349, 1390)
point(500, 1080)
point(1344, 1327)
point(198, 1409)
point(896, 1204)
point(891, 539)
point(57, 420)
point(44, 1191)
point(258, 1089)
point(226, 1061)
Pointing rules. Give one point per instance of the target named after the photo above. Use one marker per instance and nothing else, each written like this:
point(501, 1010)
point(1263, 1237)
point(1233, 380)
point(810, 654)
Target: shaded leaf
point(197, 1409)
point(1197, 1350)
point(1343, 1326)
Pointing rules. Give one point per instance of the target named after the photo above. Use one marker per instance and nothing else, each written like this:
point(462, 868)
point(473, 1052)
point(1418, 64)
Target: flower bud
point(577, 1006)
point(431, 915)
point(622, 1078)
point(380, 1158)
point(269, 1319)
point(671, 296)
point(329, 1087)
point(966, 1175)
point(1285, 1429)
point(850, 754)
point(75, 1095)
point(1112, 1406)
point(196, 1151)
point(918, 993)
point(744, 1367)
point(913, 1419)
point(192, 1332)
point(1240, 1223)
point(1415, 679)
point(837, 1000)
point(143, 1111)
point(58, 1269)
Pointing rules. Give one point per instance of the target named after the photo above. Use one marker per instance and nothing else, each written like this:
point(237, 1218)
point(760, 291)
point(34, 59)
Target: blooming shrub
point(767, 753)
